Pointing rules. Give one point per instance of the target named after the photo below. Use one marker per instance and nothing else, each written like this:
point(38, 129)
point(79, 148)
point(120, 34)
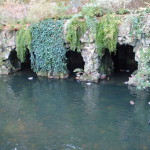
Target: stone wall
point(88, 51)
point(7, 46)
point(125, 37)
point(93, 61)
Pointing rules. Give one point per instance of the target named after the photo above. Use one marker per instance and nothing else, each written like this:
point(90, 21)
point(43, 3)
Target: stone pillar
point(91, 59)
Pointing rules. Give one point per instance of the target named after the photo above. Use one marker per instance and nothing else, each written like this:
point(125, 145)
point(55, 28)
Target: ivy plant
point(47, 48)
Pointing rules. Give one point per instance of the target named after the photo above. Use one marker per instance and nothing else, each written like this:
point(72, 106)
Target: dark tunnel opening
point(124, 59)
point(21, 68)
point(74, 60)
point(27, 64)
point(14, 61)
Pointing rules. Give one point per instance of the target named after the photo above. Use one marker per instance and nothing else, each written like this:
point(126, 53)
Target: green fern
point(91, 24)
point(75, 30)
point(23, 42)
point(106, 34)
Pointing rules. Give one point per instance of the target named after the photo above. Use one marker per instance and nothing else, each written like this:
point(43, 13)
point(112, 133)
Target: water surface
point(44, 114)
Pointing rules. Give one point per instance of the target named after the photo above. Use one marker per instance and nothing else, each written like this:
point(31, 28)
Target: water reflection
point(44, 114)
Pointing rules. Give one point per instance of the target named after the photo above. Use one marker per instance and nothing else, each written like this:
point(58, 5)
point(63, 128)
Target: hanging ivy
point(47, 48)
point(23, 42)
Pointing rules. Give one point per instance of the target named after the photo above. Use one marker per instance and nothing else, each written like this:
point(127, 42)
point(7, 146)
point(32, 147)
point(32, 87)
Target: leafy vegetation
point(143, 75)
point(93, 10)
point(23, 42)
point(138, 30)
point(47, 48)
point(122, 11)
point(46, 43)
point(105, 31)
point(137, 24)
point(147, 10)
point(75, 30)
point(106, 35)
point(91, 24)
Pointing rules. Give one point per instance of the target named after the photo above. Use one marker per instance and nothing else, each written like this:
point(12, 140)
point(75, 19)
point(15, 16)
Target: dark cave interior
point(124, 59)
point(74, 60)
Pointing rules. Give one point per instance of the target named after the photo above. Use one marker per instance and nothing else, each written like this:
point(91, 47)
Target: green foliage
point(106, 35)
point(75, 30)
point(123, 11)
point(62, 9)
point(147, 10)
point(47, 48)
point(92, 10)
point(136, 29)
point(143, 75)
point(105, 32)
point(23, 42)
point(91, 24)
point(143, 10)
point(106, 66)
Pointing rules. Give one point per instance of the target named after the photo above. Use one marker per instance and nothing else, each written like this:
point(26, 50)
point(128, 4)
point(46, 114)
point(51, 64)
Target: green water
point(44, 114)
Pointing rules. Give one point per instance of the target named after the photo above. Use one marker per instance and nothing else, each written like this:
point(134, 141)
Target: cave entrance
point(23, 68)
point(14, 61)
point(124, 59)
point(18, 67)
point(74, 60)
point(27, 64)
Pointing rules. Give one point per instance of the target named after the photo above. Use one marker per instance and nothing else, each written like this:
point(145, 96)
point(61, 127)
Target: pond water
point(44, 114)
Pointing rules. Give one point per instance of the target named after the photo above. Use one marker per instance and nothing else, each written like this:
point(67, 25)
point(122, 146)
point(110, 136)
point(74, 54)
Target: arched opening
point(74, 60)
point(14, 61)
point(124, 59)
point(119, 65)
point(18, 67)
point(26, 66)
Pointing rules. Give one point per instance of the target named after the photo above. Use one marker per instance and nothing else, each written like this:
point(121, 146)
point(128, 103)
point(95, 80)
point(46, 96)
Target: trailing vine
point(106, 35)
point(47, 48)
point(75, 30)
point(23, 42)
